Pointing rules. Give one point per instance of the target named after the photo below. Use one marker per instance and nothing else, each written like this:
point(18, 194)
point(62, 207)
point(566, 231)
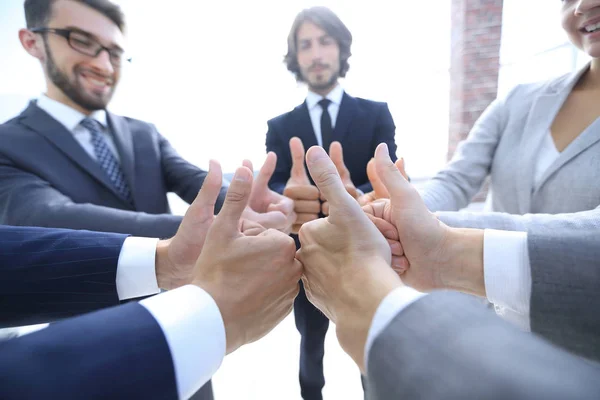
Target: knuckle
point(327, 177)
point(234, 196)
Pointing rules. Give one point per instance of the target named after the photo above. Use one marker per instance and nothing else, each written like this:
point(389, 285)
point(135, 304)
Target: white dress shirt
point(189, 317)
point(195, 333)
point(71, 119)
point(315, 111)
point(507, 275)
point(547, 154)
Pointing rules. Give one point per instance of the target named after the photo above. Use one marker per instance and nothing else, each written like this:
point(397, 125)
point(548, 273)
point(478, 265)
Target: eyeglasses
point(86, 44)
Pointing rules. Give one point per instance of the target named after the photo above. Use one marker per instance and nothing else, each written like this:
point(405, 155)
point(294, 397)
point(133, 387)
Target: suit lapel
point(586, 139)
point(53, 131)
point(346, 113)
point(540, 118)
point(543, 111)
point(124, 142)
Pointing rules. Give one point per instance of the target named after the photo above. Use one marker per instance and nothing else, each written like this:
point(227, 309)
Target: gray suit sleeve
point(450, 346)
point(565, 282)
point(521, 223)
point(564, 254)
point(454, 186)
point(31, 201)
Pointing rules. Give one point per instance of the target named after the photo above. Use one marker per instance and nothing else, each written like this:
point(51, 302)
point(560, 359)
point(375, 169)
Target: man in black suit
point(318, 51)
point(66, 162)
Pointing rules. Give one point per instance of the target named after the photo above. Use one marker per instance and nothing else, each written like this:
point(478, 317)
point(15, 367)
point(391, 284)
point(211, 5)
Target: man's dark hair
point(38, 12)
point(326, 19)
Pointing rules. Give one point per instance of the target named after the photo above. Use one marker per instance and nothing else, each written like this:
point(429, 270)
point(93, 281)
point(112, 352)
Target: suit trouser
point(205, 392)
point(312, 325)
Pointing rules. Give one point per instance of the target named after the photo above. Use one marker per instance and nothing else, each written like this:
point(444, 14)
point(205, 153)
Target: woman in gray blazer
point(540, 144)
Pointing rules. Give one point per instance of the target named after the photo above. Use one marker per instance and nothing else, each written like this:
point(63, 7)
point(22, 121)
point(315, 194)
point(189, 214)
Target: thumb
point(378, 186)
point(397, 186)
point(298, 172)
point(236, 200)
point(266, 171)
point(328, 181)
point(337, 156)
point(401, 167)
point(203, 206)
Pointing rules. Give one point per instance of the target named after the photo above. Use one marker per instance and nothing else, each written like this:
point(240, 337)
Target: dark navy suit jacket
point(116, 353)
point(47, 178)
point(360, 126)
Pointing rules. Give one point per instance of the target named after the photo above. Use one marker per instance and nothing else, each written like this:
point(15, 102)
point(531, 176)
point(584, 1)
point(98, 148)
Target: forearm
point(66, 214)
point(470, 351)
point(51, 274)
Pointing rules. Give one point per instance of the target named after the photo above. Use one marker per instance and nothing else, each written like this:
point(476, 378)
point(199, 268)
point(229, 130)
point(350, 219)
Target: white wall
point(210, 74)
point(534, 45)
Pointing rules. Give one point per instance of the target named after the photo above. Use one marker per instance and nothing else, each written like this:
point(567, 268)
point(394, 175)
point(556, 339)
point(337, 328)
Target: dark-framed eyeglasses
point(85, 44)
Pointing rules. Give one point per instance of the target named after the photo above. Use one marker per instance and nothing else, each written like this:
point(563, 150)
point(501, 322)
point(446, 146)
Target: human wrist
point(462, 268)
point(354, 318)
point(163, 265)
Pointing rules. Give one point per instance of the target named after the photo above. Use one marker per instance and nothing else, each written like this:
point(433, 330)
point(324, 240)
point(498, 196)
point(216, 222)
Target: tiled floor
point(268, 369)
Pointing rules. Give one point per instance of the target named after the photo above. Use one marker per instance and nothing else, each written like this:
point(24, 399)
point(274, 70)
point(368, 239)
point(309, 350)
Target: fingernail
point(316, 153)
point(241, 175)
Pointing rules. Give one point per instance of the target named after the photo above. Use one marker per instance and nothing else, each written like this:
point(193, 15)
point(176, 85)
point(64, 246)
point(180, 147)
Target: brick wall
point(475, 62)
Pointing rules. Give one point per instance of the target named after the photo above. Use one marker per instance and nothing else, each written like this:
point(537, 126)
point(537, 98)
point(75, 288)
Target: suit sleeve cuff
point(195, 333)
point(392, 305)
point(507, 275)
point(136, 270)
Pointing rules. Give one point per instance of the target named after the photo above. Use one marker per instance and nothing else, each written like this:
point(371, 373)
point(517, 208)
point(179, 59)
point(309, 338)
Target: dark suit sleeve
point(28, 200)
point(385, 132)
point(182, 177)
point(118, 353)
point(284, 166)
point(49, 274)
point(451, 346)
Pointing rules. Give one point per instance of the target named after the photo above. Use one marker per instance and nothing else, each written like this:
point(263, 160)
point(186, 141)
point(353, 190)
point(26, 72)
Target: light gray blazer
point(504, 144)
point(447, 345)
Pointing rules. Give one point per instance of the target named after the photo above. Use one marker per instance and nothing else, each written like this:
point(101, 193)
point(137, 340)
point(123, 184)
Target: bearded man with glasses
point(67, 162)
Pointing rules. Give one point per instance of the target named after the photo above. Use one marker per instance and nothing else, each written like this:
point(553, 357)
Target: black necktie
point(326, 128)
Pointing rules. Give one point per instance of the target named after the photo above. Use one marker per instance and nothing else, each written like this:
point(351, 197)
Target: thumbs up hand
point(266, 207)
point(336, 154)
point(379, 190)
point(299, 188)
point(251, 273)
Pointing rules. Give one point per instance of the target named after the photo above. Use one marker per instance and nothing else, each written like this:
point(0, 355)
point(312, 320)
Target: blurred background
point(210, 74)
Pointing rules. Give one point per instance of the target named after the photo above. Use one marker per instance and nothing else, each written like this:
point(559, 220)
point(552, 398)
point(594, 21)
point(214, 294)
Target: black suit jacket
point(360, 126)
point(47, 179)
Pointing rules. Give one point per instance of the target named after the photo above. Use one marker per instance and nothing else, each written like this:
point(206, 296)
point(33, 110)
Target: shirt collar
point(336, 94)
point(66, 115)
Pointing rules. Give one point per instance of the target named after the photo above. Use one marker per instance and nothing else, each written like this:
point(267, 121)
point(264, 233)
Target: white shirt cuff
point(391, 305)
point(507, 275)
point(194, 329)
point(136, 269)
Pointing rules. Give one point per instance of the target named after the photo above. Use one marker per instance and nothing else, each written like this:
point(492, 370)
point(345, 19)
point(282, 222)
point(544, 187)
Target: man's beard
point(326, 85)
point(73, 90)
point(317, 86)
